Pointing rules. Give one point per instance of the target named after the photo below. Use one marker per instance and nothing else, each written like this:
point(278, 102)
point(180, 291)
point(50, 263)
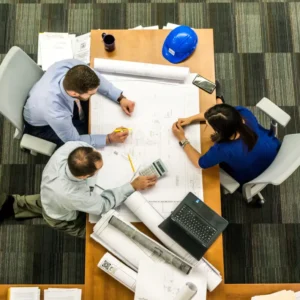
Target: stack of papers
point(282, 295)
point(24, 293)
point(171, 26)
point(56, 46)
point(140, 27)
point(62, 294)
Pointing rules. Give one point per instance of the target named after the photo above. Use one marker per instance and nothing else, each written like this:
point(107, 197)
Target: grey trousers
point(31, 207)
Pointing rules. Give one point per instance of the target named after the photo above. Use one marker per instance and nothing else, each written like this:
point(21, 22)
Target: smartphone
point(204, 84)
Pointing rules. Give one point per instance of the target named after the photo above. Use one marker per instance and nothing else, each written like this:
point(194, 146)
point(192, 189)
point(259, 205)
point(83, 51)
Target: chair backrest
point(285, 163)
point(18, 74)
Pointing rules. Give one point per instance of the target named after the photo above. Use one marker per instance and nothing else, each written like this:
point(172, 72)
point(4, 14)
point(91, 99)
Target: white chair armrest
point(273, 111)
point(37, 145)
point(227, 182)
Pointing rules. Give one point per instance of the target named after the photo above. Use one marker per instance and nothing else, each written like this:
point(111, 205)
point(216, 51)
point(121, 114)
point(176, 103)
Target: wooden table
point(145, 46)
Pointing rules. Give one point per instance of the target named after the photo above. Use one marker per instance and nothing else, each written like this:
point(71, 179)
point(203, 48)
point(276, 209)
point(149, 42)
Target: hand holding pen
point(119, 135)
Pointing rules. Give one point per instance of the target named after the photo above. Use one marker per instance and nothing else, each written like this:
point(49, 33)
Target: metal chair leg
point(261, 199)
point(34, 153)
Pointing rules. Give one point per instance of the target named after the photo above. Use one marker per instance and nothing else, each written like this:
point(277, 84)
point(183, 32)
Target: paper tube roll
point(187, 292)
point(121, 67)
point(118, 271)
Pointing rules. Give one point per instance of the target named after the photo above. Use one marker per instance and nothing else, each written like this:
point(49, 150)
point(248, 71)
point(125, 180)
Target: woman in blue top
point(243, 148)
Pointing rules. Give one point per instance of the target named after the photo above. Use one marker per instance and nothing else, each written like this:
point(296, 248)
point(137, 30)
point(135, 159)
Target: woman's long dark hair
point(227, 122)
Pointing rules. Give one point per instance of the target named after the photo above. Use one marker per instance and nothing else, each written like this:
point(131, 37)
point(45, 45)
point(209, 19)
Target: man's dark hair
point(81, 79)
point(81, 161)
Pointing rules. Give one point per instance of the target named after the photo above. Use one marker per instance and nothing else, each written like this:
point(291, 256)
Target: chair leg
point(225, 192)
point(274, 127)
point(24, 150)
point(260, 200)
point(34, 153)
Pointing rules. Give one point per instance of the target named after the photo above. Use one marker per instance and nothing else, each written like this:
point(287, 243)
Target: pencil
point(131, 164)
point(121, 130)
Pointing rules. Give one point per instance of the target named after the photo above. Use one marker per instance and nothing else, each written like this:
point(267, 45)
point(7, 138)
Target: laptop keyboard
point(192, 223)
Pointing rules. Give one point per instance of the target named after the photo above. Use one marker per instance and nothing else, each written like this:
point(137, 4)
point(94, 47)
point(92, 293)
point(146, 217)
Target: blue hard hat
point(179, 44)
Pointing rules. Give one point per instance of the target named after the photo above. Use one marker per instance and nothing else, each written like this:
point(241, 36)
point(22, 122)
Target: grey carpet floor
point(257, 54)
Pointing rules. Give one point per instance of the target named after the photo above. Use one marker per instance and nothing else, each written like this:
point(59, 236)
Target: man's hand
point(178, 131)
point(143, 182)
point(127, 106)
point(118, 137)
point(184, 121)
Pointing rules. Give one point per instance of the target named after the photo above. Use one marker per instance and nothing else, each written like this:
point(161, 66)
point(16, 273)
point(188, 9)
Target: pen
point(131, 164)
point(122, 129)
point(134, 174)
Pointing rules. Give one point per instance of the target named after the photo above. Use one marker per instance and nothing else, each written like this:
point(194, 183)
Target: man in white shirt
point(65, 194)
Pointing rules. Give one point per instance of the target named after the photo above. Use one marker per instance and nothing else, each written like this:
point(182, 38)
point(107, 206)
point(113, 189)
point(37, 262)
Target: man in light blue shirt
point(65, 192)
point(57, 107)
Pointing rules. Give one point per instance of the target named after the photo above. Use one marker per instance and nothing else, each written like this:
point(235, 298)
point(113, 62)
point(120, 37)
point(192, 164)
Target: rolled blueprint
point(150, 244)
point(187, 292)
point(137, 69)
point(130, 250)
point(151, 218)
point(118, 271)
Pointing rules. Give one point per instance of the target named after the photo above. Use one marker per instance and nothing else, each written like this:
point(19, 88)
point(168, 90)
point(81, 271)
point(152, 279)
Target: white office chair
point(18, 74)
point(285, 163)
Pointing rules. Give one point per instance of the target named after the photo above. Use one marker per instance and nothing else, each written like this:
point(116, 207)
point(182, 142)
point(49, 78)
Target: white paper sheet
point(137, 69)
point(62, 294)
point(158, 281)
point(136, 28)
point(151, 27)
point(140, 27)
point(116, 169)
point(152, 137)
point(171, 26)
point(24, 293)
point(118, 271)
point(281, 295)
point(54, 48)
point(49, 34)
point(82, 47)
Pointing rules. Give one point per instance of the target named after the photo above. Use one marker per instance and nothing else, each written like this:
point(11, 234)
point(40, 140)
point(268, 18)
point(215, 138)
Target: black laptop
point(193, 225)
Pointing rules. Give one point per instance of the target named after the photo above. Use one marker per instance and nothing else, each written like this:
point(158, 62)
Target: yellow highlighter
point(122, 129)
point(131, 164)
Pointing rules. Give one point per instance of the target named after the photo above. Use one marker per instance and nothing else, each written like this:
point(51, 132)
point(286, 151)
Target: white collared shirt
point(63, 195)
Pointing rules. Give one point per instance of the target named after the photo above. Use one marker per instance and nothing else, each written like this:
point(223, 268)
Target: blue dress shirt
point(234, 157)
point(49, 104)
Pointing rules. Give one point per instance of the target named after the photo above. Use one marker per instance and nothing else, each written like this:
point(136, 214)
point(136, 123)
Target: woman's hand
point(178, 131)
point(184, 121)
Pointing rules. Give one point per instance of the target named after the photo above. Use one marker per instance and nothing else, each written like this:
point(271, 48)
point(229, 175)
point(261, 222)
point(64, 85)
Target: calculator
point(157, 168)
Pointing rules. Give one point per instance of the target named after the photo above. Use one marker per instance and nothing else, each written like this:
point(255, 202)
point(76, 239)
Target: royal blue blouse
point(234, 157)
